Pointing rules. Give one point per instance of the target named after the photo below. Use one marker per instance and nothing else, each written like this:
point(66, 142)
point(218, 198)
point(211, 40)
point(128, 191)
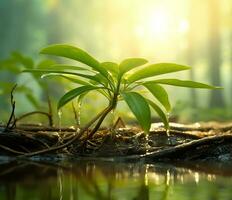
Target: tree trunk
point(216, 97)
point(191, 49)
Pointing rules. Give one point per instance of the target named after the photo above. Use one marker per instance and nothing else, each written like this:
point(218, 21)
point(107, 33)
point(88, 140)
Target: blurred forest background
point(197, 33)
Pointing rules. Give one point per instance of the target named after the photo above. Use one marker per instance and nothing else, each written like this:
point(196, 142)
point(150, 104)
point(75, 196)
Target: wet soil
point(210, 141)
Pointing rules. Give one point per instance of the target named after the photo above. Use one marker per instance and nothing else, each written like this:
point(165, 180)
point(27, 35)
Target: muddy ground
point(210, 141)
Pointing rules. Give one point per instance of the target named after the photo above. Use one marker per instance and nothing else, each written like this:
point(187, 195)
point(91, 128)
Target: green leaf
point(62, 67)
point(159, 93)
point(140, 108)
point(184, 83)
point(111, 67)
point(73, 94)
point(131, 63)
point(55, 72)
point(160, 112)
point(74, 80)
point(45, 63)
point(74, 53)
point(154, 70)
point(99, 79)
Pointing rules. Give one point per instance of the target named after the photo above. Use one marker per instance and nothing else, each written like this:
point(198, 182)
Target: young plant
point(117, 82)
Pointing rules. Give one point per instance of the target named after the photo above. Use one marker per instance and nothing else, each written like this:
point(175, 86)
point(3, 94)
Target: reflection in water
point(85, 180)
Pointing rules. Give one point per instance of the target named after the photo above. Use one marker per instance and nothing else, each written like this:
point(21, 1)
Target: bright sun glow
point(158, 23)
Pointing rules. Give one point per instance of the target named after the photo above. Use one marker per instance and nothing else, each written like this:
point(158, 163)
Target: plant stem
point(101, 116)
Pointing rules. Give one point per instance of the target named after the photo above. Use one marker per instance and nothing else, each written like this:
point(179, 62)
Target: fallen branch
point(180, 150)
point(11, 150)
point(75, 138)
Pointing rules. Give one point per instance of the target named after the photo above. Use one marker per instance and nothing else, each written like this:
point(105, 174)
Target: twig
point(45, 128)
point(12, 116)
point(11, 150)
point(33, 113)
point(119, 123)
point(75, 138)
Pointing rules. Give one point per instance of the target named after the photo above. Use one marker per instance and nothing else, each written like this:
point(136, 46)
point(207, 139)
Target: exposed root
point(123, 143)
point(185, 151)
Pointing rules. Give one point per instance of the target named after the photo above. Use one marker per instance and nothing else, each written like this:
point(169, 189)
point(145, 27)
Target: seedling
point(117, 82)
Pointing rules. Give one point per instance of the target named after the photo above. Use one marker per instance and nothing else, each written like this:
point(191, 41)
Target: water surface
point(87, 180)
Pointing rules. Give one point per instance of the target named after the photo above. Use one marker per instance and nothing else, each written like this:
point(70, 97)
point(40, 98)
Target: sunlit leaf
point(45, 73)
point(73, 94)
point(130, 63)
point(160, 113)
point(98, 78)
point(154, 70)
point(111, 67)
point(183, 83)
point(74, 53)
point(160, 94)
point(62, 67)
point(140, 108)
point(45, 63)
point(74, 80)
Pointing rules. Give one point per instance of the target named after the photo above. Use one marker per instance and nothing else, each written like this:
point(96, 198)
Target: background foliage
point(191, 32)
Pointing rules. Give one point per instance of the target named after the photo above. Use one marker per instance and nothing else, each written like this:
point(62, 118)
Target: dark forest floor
point(210, 141)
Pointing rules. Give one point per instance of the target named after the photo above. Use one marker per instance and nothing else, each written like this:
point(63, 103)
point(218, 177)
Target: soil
point(210, 141)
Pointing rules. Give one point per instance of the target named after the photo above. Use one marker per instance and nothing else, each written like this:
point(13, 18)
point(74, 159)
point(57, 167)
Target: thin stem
point(103, 116)
point(75, 115)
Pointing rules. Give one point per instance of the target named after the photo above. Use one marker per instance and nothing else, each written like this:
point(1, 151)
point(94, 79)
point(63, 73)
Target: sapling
point(117, 82)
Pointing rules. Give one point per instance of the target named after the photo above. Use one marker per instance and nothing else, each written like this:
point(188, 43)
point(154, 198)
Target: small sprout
point(118, 82)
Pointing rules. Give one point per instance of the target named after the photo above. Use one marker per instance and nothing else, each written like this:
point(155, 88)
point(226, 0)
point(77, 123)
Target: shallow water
point(86, 180)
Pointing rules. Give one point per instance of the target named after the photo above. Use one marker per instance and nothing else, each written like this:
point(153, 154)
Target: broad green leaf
point(55, 72)
point(160, 94)
point(183, 83)
point(62, 67)
point(130, 63)
point(140, 108)
point(74, 80)
point(74, 53)
point(111, 67)
point(160, 112)
point(73, 94)
point(99, 79)
point(45, 63)
point(154, 70)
